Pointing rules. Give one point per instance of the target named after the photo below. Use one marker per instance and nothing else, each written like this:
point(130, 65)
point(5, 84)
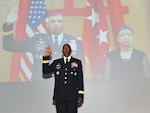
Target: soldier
point(37, 44)
point(69, 86)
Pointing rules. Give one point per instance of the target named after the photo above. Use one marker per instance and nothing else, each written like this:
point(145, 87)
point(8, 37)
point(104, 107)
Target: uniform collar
point(60, 37)
point(69, 57)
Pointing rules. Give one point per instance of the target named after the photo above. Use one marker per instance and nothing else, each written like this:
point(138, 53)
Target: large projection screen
point(95, 24)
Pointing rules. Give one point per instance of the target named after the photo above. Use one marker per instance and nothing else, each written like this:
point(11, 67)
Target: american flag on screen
point(37, 15)
point(95, 38)
point(36, 12)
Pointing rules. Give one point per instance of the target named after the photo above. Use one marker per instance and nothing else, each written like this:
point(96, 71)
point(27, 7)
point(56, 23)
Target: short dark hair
point(124, 27)
point(55, 14)
point(68, 46)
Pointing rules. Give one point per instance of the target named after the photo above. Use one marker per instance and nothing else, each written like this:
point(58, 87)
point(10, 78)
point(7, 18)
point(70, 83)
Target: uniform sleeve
point(10, 44)
point(80, 81)
point(7, 36)
point(47, 69)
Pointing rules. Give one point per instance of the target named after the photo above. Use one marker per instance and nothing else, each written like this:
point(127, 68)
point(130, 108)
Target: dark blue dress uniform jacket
point(68, 78)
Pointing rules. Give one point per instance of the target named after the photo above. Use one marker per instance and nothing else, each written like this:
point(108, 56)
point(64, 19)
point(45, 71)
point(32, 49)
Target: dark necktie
point(66, 60)
point(56, 42)
point(55, 47)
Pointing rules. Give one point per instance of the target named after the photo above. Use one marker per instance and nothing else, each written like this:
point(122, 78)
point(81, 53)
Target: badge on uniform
point(73, 45)
point(57, 72)
point(74, 65)
point(58, 66)
point(75, 74)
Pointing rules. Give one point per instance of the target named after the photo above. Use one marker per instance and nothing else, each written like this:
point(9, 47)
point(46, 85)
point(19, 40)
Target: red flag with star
point(95, 38)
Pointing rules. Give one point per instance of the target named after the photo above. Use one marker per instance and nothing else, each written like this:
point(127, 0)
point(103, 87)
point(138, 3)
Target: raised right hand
point(12, 16)
point(48, 51)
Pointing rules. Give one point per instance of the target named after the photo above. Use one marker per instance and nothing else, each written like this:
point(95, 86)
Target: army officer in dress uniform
point(69, 86)
point(36, 44)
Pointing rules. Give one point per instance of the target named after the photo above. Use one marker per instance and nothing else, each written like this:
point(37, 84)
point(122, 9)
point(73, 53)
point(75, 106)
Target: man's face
point(125, 37)
point(56, 24)
point(66, 50)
